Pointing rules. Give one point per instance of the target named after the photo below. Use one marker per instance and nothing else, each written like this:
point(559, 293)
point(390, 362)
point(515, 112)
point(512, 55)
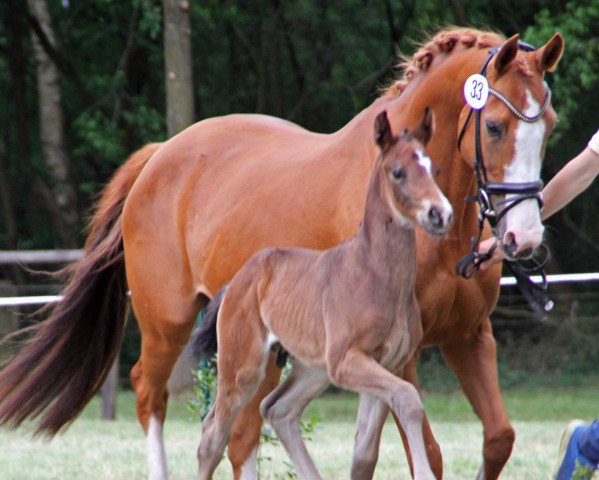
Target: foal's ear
point(549, 54)
point(382, 132)
point(424, 131)
point(506, 54)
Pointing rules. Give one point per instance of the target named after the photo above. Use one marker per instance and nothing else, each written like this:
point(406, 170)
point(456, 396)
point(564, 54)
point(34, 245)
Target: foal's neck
point(385, 242)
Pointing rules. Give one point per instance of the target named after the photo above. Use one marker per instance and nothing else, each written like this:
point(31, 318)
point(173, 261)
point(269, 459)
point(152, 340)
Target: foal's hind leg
point(242, 449)
point(242, 361)
point(359, 372)
point(283, 409)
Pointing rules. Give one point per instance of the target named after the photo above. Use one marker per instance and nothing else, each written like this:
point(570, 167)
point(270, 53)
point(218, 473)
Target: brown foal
point(347, 315)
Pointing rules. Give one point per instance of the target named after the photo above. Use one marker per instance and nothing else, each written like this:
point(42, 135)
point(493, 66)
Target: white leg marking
point(156, 455)
point(525, 219)
point(249, 469)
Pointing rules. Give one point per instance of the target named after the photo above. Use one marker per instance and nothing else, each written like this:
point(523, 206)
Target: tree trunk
point(178, 65)
point(52, 130)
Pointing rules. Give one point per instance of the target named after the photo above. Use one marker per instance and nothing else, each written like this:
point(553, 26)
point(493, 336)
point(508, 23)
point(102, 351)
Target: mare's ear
point(506, 54)
point(549, 54)
point(424, 131)
point(382, 132)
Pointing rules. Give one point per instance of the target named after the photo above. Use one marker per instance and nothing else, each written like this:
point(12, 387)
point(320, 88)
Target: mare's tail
point(203, 342)
point(65, 362)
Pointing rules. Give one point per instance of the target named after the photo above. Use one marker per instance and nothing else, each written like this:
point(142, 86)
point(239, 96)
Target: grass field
point(95, 449)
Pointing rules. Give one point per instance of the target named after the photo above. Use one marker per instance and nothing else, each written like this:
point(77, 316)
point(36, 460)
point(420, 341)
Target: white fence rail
point(28, 257)
point(505, 281)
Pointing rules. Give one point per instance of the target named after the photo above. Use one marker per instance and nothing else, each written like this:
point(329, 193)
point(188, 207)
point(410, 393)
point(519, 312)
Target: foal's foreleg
point(283, 409)
point(372, 413)
point(359, 372)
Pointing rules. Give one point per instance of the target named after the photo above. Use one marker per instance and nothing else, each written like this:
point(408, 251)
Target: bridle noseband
point(518, 191)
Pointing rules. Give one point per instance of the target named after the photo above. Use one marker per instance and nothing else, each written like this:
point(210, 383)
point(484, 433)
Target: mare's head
point(407, 182)
point(515, 123)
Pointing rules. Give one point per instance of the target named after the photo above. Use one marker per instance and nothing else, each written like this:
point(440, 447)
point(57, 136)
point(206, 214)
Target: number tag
point(476, 91)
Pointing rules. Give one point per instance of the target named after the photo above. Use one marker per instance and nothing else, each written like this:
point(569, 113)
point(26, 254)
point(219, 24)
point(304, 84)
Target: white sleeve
point(594, 143)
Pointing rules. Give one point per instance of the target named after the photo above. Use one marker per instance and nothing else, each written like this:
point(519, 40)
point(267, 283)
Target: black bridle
point(534, 293)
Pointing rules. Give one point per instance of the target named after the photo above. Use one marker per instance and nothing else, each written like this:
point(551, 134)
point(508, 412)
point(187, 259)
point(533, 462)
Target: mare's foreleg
point(283, 410)
point(433, 450)
point(475, 364)
point(372, 413)
point(359, 372)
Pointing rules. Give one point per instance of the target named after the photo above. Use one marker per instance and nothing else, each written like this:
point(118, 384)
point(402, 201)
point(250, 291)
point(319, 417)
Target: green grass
point(97, 449)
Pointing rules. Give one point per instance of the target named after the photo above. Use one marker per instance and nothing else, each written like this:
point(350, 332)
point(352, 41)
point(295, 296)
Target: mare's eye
point(494, 129)
point(398, 173)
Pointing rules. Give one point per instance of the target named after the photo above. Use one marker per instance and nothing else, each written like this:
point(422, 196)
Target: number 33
point(477, 88)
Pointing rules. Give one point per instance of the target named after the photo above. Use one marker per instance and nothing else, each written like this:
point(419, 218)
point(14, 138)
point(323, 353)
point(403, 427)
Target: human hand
point(490, 247)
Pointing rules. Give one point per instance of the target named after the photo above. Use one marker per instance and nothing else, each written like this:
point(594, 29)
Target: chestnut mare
point(347, 315)
point(179, 219)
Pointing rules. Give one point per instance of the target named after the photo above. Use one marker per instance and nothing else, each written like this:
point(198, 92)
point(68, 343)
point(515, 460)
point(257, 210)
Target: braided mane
point(442, 42)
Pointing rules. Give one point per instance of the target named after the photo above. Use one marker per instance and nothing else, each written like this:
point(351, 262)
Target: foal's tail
point(203, 342)
point(66, 360)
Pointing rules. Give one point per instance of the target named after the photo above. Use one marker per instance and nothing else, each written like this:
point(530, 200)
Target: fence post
point(8, 320)
point(109, 390)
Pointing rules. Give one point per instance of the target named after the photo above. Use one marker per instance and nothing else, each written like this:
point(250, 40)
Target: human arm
point(573, 179)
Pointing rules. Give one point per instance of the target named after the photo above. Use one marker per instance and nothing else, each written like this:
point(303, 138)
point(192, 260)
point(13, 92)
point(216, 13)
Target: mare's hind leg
point(360, 373)
point(165, 322)
point(283, 409)
point(372, 413)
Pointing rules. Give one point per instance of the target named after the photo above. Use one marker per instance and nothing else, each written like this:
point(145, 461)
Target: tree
point(178, 64)
point(60, 197)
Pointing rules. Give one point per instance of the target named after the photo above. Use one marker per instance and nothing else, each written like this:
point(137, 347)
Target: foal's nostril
point(435, 217)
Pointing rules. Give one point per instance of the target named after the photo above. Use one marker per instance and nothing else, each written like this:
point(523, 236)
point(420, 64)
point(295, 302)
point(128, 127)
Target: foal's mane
point(443, 42)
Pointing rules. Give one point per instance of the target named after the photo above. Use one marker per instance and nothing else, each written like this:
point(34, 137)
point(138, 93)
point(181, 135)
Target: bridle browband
point(535, 294)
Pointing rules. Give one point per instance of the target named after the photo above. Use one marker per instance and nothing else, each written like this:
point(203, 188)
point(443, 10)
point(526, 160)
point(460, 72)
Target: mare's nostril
point(434, 215)
point(509, 243)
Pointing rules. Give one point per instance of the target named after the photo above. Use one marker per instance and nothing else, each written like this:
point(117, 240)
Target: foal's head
point(407, 181)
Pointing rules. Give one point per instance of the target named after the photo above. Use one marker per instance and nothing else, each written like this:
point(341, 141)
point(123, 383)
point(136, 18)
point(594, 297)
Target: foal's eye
point(494, 129)
point(398, 173)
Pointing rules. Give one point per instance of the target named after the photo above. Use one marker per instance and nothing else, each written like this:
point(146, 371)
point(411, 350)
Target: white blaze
point(424, 161)
point(524, 220)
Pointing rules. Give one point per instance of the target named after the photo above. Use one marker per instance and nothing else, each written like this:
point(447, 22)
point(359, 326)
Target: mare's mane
point(440, 43)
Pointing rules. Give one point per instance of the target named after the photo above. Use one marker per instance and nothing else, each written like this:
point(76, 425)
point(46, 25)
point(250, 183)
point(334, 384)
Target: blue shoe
point(573, 465)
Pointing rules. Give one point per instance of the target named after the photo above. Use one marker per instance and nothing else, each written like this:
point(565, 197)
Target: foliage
point(317, 63)
point(205, 396)
point(204, 389)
